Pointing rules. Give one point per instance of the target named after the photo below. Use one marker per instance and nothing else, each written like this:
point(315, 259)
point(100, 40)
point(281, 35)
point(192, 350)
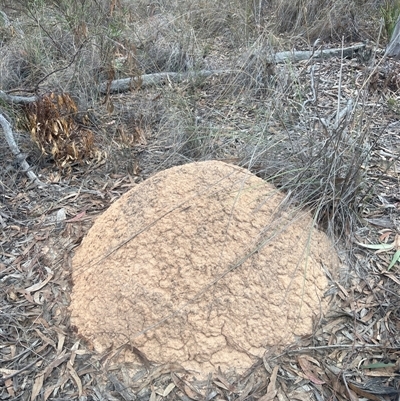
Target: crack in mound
point(201, 265)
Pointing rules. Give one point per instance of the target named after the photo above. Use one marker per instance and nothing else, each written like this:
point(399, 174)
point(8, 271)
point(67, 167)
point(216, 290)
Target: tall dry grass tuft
point(64, 46)
point(326, 20)
point(320, 151)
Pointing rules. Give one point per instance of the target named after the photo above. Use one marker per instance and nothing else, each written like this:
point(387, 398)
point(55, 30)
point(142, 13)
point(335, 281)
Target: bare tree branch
point(20, 157)
point(126, 84)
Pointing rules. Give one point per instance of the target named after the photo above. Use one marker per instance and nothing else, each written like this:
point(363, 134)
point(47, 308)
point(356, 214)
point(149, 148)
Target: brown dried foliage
point(53, 125)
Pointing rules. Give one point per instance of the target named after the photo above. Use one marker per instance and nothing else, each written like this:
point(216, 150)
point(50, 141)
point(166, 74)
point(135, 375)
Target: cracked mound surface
point(199, 265)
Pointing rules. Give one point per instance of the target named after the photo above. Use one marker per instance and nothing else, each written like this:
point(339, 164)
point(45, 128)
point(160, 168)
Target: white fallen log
point(17, 99)
point(126, 84)
point(294, 57)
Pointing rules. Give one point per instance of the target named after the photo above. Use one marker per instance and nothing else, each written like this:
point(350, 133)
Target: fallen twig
point(20, 157)
point(17, 372)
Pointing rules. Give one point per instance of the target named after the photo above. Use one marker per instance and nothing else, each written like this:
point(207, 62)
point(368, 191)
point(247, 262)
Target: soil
point(201, 264)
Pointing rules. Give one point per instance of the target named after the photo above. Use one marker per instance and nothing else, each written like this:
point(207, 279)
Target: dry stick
point(20, 157)
point(16, 373)
point(126, 84)
point(10, 376)
point(335, 346)
point(346, 385)
point(340, 88)
point(313, 88)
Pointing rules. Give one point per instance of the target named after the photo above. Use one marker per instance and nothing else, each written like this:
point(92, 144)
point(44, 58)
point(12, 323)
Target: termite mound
point(203, 265)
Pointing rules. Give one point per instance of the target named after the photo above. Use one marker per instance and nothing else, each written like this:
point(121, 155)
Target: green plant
point(393, 104)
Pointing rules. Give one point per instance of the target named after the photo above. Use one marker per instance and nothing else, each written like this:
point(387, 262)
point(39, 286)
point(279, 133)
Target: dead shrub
point(52, 122)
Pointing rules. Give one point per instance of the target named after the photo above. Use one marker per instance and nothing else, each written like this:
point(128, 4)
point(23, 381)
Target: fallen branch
point(17, 99)
point(126, 84)
point(20, 157)
point(294, 57)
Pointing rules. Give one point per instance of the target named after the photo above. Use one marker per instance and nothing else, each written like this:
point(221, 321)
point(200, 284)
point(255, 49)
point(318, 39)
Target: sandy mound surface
point(200, 265)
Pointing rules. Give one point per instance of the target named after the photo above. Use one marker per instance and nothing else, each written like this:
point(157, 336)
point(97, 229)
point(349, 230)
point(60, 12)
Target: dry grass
point(280, 121)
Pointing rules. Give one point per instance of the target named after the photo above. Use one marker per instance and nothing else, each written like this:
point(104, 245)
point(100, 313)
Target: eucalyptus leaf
point(377, 246)
point(395, 259)
point(378, 365)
